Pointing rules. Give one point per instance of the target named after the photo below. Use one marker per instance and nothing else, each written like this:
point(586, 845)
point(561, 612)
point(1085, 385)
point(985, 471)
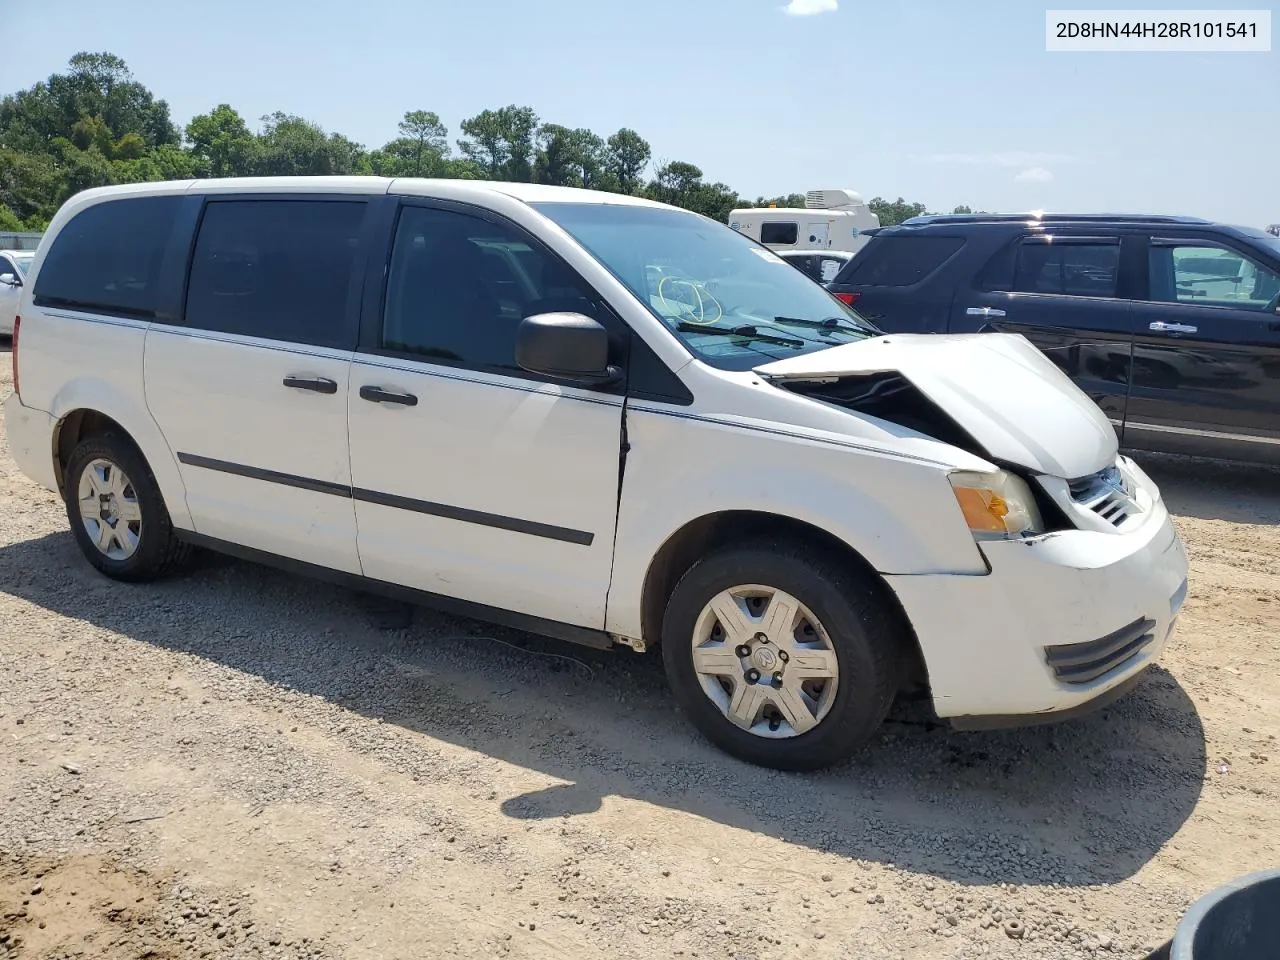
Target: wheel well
point(701, 536)
point(75, 427)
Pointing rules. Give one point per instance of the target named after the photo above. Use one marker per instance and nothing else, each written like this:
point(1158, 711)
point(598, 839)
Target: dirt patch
point(81, 907)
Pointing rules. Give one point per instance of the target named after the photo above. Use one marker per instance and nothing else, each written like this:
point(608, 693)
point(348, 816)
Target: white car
point(597, 418)
point(14, 265)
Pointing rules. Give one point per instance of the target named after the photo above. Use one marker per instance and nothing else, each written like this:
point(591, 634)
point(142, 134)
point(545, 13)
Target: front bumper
point(30, 435)
point(1061, 622)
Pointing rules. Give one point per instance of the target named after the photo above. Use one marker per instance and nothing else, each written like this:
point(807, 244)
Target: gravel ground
point(241, 763)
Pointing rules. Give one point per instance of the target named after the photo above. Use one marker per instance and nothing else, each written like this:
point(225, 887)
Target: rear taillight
point(847, 298)
point(17, 322)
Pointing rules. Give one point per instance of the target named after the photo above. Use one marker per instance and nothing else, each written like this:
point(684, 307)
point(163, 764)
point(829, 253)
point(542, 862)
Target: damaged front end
point(994, 396)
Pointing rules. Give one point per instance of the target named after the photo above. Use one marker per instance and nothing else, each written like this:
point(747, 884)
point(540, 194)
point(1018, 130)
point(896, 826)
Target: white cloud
point(1034, 175)
point(807, 8)
point(1007, 158)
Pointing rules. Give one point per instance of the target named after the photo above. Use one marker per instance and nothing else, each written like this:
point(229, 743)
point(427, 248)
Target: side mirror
point(566, 346)
point(10, 280)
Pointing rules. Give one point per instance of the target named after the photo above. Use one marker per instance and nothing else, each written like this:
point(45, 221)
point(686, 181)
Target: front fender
point(897, 513)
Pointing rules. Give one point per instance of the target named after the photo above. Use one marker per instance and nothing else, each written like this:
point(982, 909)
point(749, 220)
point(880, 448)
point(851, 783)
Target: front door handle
point(984, 312)
point(314, 384)
point(378, 395)
point(1160, 326)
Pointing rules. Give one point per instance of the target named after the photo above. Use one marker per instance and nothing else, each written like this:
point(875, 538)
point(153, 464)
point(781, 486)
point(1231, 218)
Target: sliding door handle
point(1160, 326)
point(314, 384)
point(984, 312)
point(378, 395)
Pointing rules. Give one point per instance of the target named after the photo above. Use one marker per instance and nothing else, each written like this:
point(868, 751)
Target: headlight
point(996, 504)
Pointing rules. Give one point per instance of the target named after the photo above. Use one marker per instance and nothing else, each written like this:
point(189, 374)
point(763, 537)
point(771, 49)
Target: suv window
point(276, 269)
point(459, 285)
point(890, 261)
point(107, 258)
point(1190, 273)
point(1056, 265)
point(779, 233)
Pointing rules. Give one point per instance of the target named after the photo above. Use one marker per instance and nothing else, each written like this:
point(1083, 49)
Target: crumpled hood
point(1004, 392)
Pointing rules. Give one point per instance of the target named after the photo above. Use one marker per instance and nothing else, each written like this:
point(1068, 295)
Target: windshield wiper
point(828, 323)
point(746, 331)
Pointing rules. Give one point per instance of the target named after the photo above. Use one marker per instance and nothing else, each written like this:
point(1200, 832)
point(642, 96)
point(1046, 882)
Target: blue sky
point(940, 101)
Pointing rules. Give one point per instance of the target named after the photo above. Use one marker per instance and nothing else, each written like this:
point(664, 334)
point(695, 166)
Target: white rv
point(829, 220)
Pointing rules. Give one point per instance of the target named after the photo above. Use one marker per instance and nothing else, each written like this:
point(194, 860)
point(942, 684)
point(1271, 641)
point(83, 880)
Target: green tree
point(9, 221)
point(962, 209)
point(292, 146)
point(31, 184)
point(96, 85)
point(556, 160)
point(221, 142)
point(428, 140)
point(790, 200)
point(892, 212)
point(680, 184)
point(626, 156)
point(501, 142)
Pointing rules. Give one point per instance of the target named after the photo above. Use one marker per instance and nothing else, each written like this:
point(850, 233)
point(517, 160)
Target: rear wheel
point(116, 512)
point(780, 656)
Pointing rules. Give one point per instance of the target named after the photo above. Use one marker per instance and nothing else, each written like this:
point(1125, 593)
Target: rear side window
point(779, 233)
point(1058, 265)
point(900, 261)
point(277, 269)
point(1077, 269)
point(107, 258)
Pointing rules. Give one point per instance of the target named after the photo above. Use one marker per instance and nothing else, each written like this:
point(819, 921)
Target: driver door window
point(460, 285)
point(1210, 276)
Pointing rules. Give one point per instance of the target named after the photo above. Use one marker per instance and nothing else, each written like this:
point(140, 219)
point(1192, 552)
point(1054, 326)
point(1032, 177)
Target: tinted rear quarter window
point(107, 258)
point(890, 261)
point(277, 269)
point(779, 233)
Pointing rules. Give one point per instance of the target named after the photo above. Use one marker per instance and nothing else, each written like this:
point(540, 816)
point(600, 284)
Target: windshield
point(24, 263)
point(732, 302)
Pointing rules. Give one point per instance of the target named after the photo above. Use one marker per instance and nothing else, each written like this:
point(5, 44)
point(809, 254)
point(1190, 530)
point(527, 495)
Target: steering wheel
point(705, 310)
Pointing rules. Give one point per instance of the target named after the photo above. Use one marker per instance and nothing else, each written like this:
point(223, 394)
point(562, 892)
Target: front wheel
point(780, 656)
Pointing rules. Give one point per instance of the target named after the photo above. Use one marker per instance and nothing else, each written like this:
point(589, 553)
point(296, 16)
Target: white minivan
point(597, 418)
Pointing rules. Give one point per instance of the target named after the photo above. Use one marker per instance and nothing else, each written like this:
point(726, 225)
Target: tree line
point(94, 125)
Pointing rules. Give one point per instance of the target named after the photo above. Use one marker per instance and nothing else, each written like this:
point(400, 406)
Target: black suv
point(1171, 324)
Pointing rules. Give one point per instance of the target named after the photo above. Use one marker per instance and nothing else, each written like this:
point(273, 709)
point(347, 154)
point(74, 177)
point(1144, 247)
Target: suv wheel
point(116, 512)
point(781, 658)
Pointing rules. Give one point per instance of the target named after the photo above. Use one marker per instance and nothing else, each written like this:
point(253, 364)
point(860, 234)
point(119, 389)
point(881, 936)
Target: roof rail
point(1037, 217)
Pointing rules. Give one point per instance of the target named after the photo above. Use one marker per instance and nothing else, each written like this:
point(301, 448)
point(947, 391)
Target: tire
point(855, 625)
point(135, 551)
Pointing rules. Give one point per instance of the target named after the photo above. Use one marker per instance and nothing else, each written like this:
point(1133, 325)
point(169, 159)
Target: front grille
point(1085, 662)
point(1106, 494)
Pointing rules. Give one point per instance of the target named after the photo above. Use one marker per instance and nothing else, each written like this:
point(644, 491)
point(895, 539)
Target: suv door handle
point(314, 384)
point(984, 312)
point(378, 395)
point(1159, 326)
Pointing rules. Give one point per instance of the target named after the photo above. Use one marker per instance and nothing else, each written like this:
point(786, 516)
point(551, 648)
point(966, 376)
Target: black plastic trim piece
point(1010, 721)
point(1085, 662)
point(545, 530)
point(584, 636)
point(462, 514)
point(270, 476)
